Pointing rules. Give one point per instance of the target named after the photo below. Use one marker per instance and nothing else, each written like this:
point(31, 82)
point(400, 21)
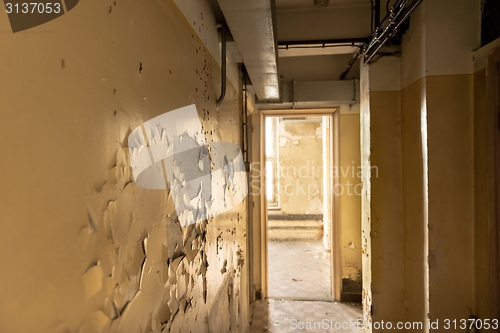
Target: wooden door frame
point(335, 248)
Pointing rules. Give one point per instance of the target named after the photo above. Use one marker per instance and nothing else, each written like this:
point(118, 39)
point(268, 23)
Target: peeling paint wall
point(87, 250)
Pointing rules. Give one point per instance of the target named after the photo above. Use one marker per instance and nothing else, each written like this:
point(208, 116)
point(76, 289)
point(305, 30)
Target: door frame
point(335, 248)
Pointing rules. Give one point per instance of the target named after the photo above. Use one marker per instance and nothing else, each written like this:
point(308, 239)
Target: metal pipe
point(353, 60)
point(222, 28)
point(377, 13)
point(244, 110)
point(394, 22)
point(324, 42)
point(388, 21)
point(406, 15)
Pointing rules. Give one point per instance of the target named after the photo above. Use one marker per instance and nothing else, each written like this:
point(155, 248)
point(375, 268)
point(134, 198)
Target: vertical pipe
point(246, 143)
point(244, 116)
point(377, 13)
point(353, 60)
point(222, 28)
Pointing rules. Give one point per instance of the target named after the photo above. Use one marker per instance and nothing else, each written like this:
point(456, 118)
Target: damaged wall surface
point(84, 248)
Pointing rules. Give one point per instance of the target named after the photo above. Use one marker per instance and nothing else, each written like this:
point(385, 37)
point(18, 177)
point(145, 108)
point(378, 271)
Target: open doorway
point(299, 201)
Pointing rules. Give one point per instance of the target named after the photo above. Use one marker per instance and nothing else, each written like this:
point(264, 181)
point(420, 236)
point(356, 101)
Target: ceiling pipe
point(222, 29)
point(321, 3)
point(399, 13)
point(386, 24)
point(351, 63)
point(377, 13)
point(324, 42)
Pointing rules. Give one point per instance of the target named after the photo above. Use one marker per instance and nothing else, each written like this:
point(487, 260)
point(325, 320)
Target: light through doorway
point(298, 188)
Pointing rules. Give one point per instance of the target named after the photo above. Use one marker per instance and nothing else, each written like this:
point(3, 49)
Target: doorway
point(299, 204)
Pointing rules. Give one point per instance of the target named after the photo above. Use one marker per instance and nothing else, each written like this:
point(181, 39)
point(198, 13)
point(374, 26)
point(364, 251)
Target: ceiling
point(314, 44)
point(316, 68)
point(300, 21)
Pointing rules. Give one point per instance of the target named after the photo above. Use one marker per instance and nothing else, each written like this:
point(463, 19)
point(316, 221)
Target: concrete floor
point(299, 269)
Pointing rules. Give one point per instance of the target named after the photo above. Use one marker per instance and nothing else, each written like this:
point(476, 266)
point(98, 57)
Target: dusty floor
point(300, 293)
point(286, 316)
point(299, 269)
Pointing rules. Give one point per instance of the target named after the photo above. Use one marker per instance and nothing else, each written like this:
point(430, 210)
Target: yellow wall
point(255, 225)
point(481, 217)
point(412, 164)
point(451, 195)
point(400, 211)
point(433, 126)
point(350, 201)
point(85, 249)
point(484, 205)
point(386, 234)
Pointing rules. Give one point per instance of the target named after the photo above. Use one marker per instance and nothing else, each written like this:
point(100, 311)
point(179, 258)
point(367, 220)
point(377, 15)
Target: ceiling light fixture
point(321, 3)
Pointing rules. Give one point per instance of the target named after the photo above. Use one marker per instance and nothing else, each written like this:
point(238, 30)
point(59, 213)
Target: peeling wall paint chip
point(91, 220)
point(172, 146)
point(92, 280)
point(99, 320)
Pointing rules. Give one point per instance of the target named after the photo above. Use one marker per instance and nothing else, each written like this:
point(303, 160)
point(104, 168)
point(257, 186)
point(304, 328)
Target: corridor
point(158, 156)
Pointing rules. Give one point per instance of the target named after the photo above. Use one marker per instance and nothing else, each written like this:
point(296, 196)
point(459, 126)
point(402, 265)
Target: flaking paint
point(95, 253)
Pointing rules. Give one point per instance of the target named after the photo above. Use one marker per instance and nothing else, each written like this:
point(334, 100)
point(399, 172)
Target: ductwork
point(252, 25)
